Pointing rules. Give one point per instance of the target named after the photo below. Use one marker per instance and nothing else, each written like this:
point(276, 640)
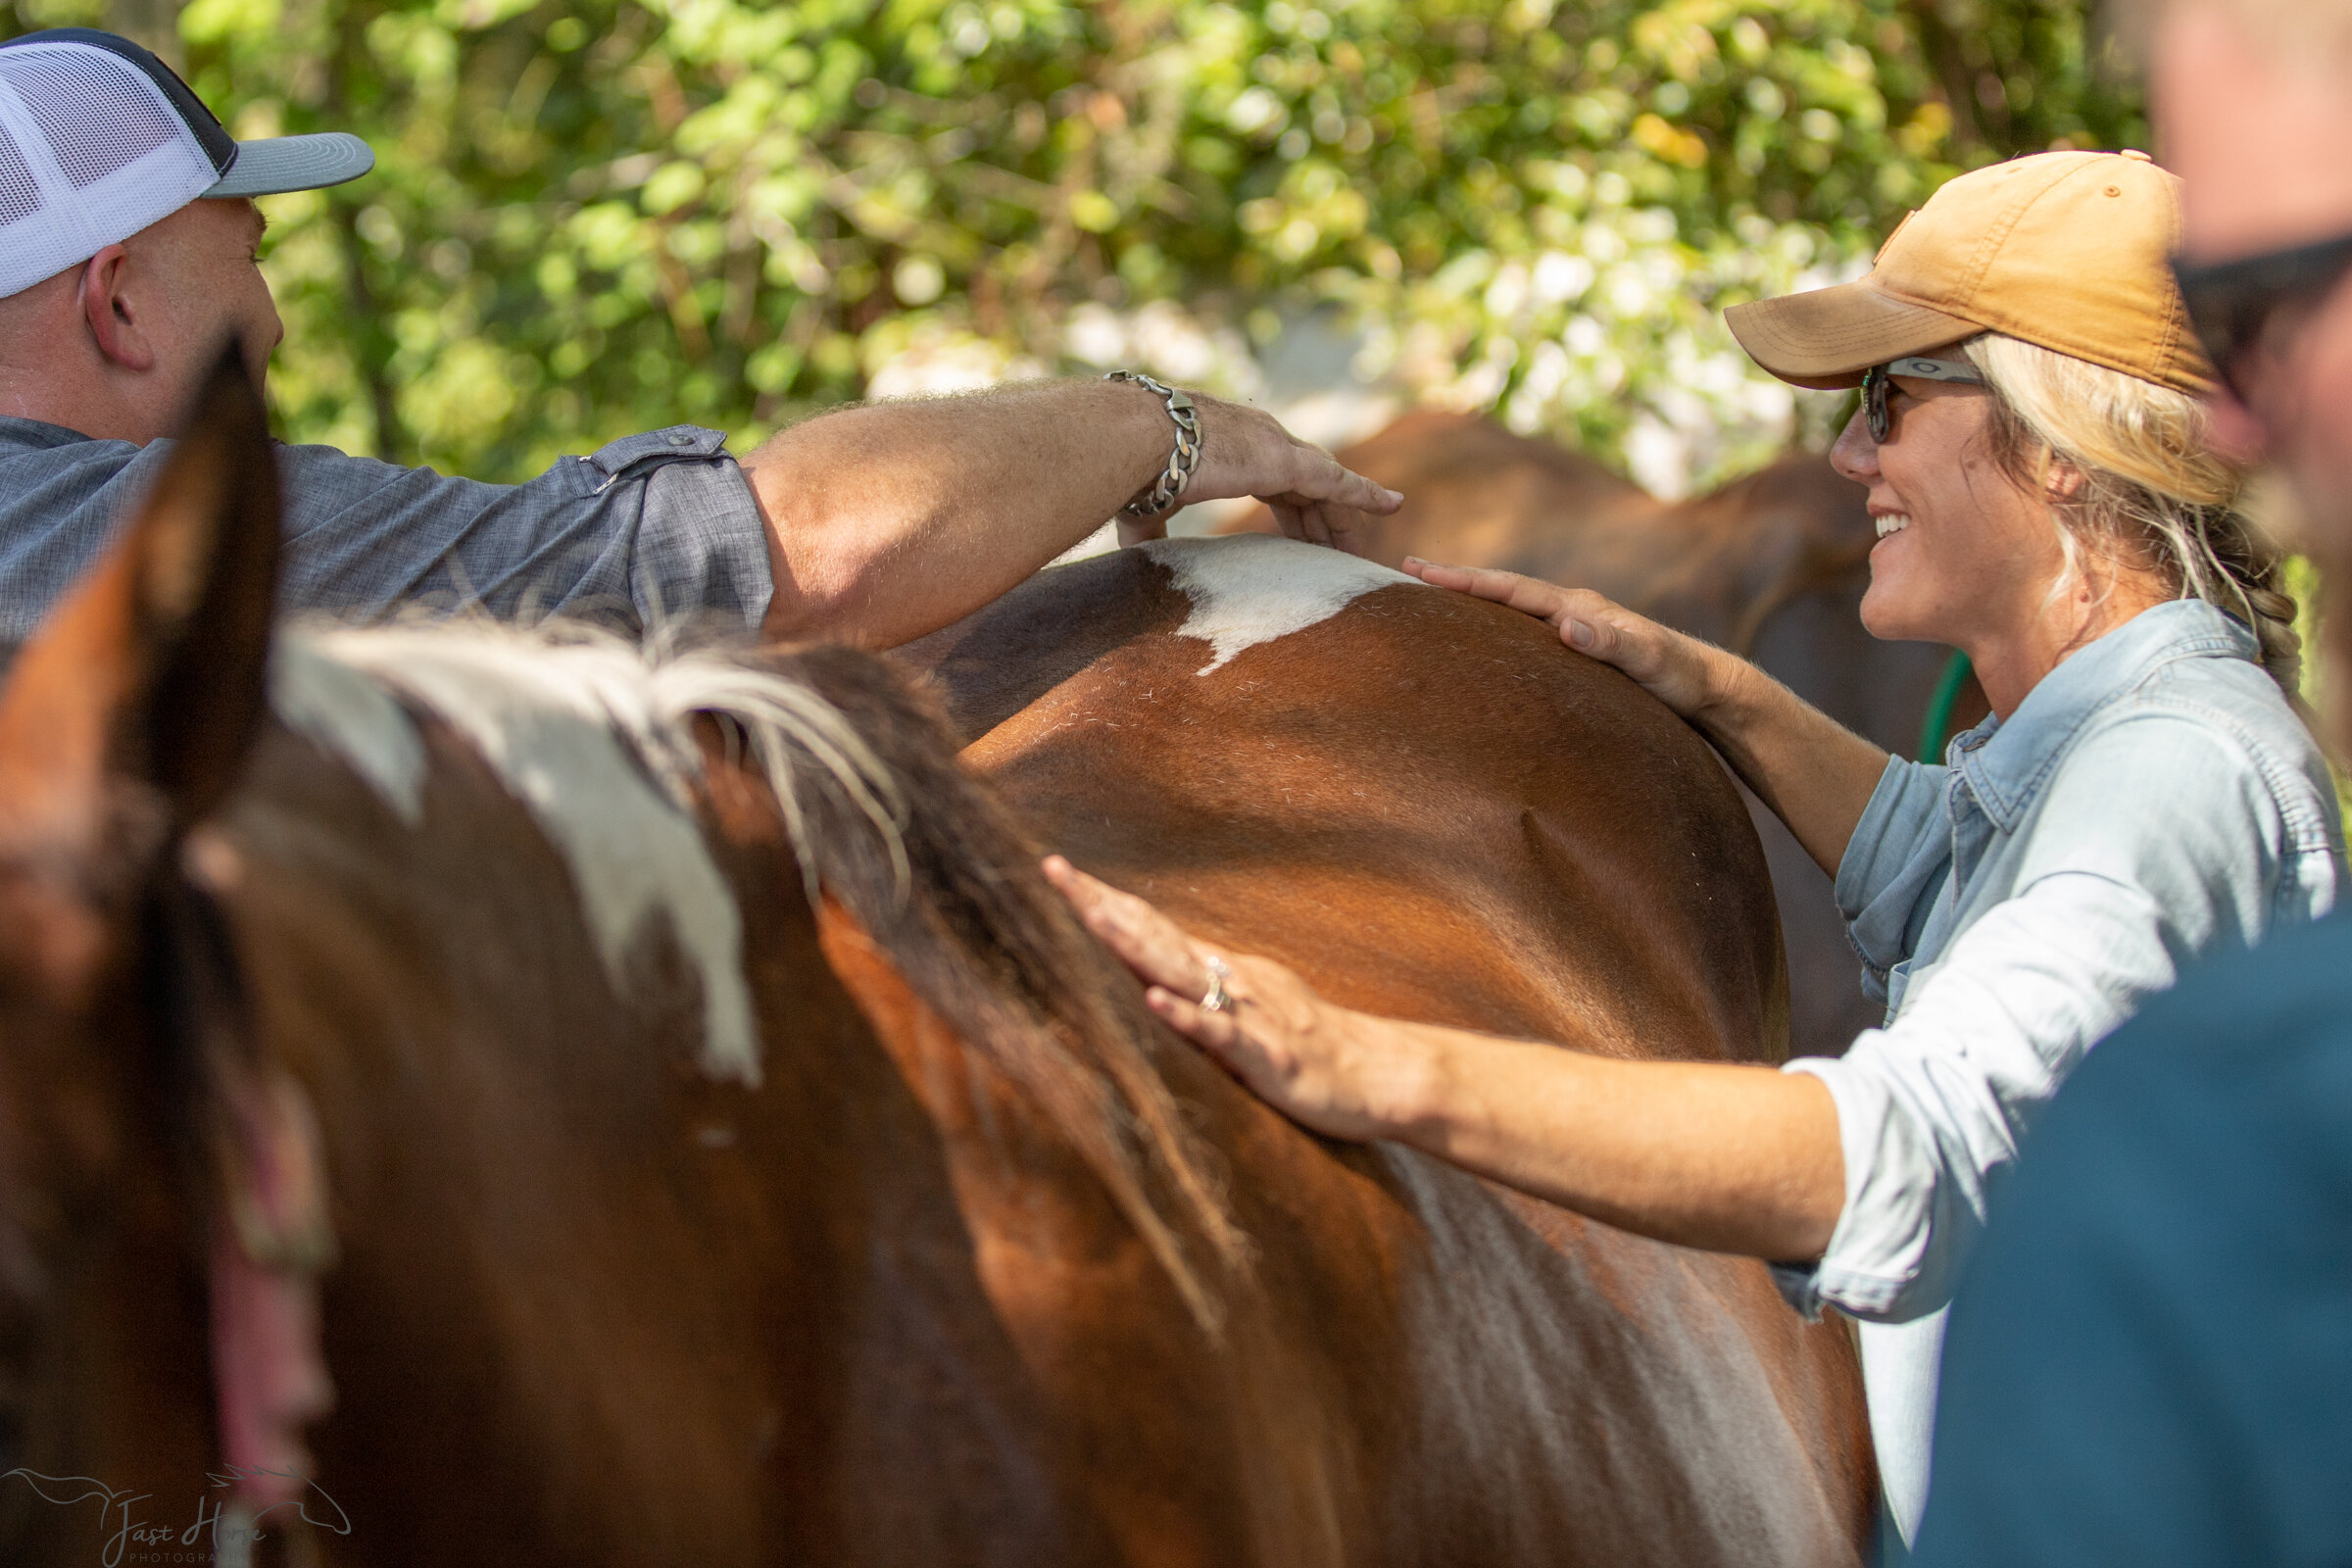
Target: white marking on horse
point(597, 742)
point(1254, 588)
point(341, 711)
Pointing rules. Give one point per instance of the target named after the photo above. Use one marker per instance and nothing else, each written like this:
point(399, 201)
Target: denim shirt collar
point(2005, 760)
point(34, 434)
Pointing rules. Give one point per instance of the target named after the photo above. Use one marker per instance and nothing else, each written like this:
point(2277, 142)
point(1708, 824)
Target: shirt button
point(682, 440)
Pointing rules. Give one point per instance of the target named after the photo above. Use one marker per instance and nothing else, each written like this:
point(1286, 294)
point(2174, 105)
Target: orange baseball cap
point(2070, 251)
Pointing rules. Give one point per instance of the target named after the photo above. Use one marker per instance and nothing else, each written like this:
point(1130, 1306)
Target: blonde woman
point(2144, 794)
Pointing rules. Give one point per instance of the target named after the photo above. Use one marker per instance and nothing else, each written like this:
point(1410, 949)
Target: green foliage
point(590, 219)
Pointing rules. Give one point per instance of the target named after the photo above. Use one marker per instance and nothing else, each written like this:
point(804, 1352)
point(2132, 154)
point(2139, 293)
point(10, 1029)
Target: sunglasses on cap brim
point(2232, 305)
point(1880, 377)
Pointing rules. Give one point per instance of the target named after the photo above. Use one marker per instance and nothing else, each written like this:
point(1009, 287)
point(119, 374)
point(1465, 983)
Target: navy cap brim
point(295, 163)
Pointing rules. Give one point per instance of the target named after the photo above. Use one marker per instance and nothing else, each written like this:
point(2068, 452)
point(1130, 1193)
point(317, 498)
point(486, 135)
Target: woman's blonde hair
point(2152, 484)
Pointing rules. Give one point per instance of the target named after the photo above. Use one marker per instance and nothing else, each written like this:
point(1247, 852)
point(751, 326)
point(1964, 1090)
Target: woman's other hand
point(1680, 671)
point(1308, 1057)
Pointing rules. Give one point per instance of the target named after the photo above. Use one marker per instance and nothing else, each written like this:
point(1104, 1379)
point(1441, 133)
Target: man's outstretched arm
point(890, 520)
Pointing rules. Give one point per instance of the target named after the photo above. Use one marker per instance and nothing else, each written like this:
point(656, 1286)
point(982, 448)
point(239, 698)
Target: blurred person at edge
point(128, 258)
point(2145, 795)
point(2151, 1360)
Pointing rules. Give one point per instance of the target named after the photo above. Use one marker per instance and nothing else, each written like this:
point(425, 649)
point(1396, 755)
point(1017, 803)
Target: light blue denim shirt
point(2153, 802)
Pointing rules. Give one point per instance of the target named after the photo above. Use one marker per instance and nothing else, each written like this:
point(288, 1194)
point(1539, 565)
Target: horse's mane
point(882, 818)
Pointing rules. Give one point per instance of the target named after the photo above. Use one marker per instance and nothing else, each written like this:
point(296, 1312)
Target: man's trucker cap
point(98, 139)
point(2069, 251)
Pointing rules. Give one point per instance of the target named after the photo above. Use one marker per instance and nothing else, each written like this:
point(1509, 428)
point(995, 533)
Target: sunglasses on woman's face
point(1878, 380)
point(2243, 311)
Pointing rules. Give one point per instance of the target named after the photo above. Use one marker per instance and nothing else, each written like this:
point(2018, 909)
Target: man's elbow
point(829, 563)
point(829, 591)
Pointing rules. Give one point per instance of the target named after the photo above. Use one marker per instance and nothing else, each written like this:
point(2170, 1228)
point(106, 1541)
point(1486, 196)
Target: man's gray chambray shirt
point(653, 527)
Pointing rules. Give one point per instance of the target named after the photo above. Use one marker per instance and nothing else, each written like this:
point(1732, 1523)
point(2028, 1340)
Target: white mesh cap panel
point(99, 155)
point(98, 113)
point(20, 196)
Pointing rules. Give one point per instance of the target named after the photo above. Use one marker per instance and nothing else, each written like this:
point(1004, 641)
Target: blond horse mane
point(596, 737)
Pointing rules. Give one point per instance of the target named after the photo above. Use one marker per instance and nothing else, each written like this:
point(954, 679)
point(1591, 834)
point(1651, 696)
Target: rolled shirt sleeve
point(2103, 914)
point(649, 531)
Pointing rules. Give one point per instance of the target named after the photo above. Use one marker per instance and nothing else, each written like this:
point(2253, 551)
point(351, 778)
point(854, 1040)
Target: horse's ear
point(154, 669)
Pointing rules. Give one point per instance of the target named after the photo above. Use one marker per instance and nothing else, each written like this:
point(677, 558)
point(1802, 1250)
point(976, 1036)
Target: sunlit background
point(592, 218)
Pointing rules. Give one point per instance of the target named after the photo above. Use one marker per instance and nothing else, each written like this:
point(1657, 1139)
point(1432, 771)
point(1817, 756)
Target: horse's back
point(1432, 809)
point(1420, 800)
point(1772, 565)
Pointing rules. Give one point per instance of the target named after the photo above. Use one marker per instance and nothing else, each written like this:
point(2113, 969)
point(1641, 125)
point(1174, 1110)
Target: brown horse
point(1431, 809)
point(1772, 565)
point(653, 1113)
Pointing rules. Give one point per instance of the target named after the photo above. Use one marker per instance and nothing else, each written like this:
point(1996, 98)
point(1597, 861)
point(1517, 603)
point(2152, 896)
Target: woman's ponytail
point(2152, 483)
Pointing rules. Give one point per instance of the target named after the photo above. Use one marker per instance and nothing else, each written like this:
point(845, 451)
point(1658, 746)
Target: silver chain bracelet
point(1182, 460)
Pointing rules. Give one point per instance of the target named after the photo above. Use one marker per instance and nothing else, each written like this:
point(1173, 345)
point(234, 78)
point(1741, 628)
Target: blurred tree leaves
point(599, 217)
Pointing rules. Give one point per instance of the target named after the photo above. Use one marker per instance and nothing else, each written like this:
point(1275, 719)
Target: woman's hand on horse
point(1247, 452)
point(1299, 1052)
point(1678, 670)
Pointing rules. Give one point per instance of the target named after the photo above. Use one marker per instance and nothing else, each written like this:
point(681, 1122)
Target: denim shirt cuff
point(1799, 1286)
point(1813, 1288)
point(701, 549)
point(1834, 1280)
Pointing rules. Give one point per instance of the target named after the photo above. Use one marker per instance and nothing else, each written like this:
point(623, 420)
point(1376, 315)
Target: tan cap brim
point(1826, 337)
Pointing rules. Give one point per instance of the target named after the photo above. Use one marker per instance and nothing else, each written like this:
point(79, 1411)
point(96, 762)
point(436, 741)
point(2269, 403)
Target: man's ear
point(115, 325)
point(154, 669)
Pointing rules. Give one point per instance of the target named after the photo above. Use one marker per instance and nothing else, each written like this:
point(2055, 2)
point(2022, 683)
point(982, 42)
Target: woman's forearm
point(1816, 774)
point(1734, 1158)
point(1731, 1158)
